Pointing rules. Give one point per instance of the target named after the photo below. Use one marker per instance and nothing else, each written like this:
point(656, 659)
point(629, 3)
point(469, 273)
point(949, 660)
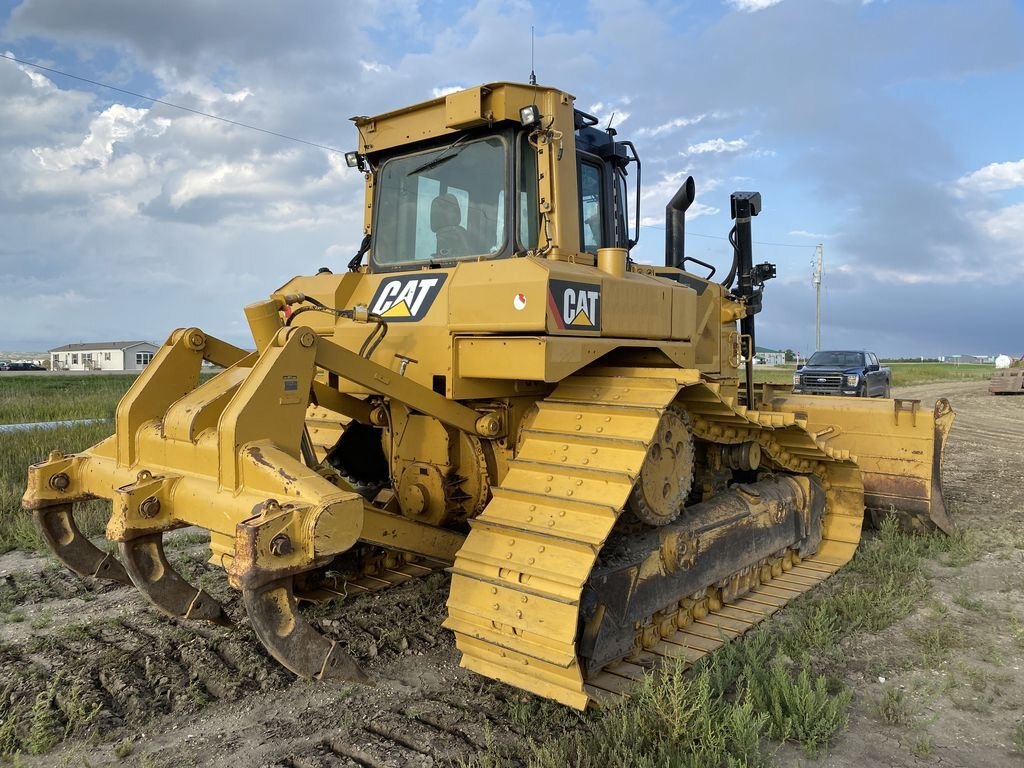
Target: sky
point(891, 132)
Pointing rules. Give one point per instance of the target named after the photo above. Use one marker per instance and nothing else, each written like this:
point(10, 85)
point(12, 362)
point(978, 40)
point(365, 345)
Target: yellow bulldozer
point(495, 387)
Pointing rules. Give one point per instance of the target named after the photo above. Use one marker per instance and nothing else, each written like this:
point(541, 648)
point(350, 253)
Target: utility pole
point(819, 269)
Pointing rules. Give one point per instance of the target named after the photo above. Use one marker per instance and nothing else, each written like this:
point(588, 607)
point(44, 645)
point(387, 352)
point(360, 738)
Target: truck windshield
point(837, 359)
point(447, 203)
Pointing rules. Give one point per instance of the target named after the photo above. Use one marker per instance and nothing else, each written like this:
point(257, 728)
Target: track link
point(517, 580)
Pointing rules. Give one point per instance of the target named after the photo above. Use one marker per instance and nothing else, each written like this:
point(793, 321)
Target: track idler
point(274, 613)
point(146, 564)
point(57, 527)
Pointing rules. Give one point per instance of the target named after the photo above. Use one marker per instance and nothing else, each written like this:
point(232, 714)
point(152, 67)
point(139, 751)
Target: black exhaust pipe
point(675, 223)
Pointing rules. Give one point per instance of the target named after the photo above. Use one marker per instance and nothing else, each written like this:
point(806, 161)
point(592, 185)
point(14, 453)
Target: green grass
point(903, 374)
point(57, 398)
point(894, 707)
point(17, 451)
point(725, 711)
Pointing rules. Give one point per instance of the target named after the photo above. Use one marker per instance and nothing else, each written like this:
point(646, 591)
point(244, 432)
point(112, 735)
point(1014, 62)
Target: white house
point(773, 357)
point(103, 356)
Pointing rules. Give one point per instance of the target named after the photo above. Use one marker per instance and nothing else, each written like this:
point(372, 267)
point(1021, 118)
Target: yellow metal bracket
point(377, 378)
point(142, 507)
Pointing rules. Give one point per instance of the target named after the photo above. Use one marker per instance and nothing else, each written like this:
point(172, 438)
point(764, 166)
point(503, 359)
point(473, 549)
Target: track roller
point(274, 613)
point(56, 524)
point(146, 564)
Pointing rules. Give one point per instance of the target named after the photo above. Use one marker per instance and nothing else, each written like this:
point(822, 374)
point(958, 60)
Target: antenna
point(533, 75)
point(819, 270)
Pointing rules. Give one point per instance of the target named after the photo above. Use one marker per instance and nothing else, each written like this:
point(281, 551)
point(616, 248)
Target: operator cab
point(476, 197)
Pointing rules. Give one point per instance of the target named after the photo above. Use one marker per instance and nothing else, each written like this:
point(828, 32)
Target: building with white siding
point(103, 356)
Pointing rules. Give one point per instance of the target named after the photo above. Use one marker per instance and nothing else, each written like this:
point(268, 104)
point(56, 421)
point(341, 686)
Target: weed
point(123, 748)
point(799, 708)
point(44, 728)
point(893, 707)
point(936, 640)
point(957, 550)
point(922, 747)
point(76, 632)
point(1018, 738)
point(818, 628)
point(41, 620)
point(10, 716)
point(79, 714)
point(966, 600)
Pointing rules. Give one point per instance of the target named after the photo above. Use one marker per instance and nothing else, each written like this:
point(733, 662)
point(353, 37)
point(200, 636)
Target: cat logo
point(575, 306)
point(405, 299)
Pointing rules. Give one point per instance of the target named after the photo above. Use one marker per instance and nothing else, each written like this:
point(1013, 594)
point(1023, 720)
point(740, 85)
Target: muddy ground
point(116, 684)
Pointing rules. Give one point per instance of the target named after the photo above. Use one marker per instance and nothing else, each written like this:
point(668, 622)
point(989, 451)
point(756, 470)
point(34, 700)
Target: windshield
point(448, 203)
point(837, 359)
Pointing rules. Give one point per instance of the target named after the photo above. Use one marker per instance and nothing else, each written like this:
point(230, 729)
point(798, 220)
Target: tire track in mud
point(107, 662)
point(430, 731)
point(112, 666)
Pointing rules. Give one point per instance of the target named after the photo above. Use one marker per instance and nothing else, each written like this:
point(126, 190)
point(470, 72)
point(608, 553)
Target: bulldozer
point(1008, 381)
point(495, 387)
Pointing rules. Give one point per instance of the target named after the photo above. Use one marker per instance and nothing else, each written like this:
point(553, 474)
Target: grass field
point(56, 398)
point(903, 374)
point(17, 451)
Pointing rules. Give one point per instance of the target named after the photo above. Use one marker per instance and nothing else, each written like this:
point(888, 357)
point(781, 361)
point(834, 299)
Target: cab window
point(591, 207)
point(442, 204)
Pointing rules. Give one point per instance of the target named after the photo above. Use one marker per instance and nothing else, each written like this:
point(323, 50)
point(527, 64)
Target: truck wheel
point(887, 393)
point(863, 391)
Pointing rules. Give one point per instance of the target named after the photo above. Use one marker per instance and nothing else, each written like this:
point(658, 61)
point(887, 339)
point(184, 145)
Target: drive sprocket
point(666, 475)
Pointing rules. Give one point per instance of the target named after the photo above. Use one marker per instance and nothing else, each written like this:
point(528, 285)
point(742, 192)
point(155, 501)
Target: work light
point(529, 115)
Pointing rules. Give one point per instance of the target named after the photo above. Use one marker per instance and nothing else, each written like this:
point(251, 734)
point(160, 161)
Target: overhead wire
point(171, 104)
point(721, 237)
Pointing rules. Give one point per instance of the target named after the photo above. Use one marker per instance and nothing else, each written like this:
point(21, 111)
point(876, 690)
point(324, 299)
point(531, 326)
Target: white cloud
point(1005, 225)
point(716, 146)
point(812, 235)
point(908, 276)
point(445, 90)
point(374, 66)
point(672, 125)
point(751, 6)
point(114, 124)
point(994, 177)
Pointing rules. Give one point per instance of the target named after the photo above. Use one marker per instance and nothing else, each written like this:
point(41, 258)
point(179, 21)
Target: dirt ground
point(155, 692)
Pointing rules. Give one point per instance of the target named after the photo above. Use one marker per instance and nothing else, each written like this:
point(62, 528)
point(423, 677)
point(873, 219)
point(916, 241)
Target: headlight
point(851, 381)
point(796, 379)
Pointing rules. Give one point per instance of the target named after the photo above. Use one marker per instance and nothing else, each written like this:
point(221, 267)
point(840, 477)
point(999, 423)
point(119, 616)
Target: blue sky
point(890, 131)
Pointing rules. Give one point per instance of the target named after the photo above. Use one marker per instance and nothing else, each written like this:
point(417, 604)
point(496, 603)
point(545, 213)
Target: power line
point(720, 237)
point(175, 106)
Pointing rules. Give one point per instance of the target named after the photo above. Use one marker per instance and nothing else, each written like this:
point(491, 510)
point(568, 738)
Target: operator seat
point(452, 238)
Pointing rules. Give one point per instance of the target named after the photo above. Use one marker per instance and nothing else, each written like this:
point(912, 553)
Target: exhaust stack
point(675, 223)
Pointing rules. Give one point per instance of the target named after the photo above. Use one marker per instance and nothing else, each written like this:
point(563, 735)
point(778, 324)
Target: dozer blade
point(897, 445)
point(146, 564)
point(1009, 381)
point(274, 613)
point(56, 524)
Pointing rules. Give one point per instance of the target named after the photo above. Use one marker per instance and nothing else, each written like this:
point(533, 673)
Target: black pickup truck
point(853, 374)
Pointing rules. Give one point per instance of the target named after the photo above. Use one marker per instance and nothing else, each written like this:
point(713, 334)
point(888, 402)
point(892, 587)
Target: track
point(518, 579)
